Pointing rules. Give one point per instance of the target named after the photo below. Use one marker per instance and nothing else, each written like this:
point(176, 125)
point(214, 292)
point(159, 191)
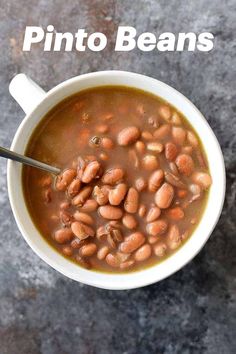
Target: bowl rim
point(93, 282)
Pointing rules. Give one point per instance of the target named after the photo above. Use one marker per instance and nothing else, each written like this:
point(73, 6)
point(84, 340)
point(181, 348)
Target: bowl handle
point(26, 92)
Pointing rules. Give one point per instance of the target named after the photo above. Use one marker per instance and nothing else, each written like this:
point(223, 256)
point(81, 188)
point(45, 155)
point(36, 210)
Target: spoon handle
point(28, 161)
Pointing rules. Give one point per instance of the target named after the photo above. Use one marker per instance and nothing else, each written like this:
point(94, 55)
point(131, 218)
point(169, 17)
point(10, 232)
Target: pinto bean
point(88, 250)
point(140, 146)
point(112, 260)
point(157, 227)
point(102, 128)
point(176, 213)
point(128, 136)
point(150, 162)
point(173, 237)
point(113, 176)
point(117, 194)
point(153, 239)
point(133, 158)
point(162, 132)
point(164, 196)
point(74, 188)
point(143, 253)
point(127, 264)
point(65, 218)
point(129, 221)
point(89, 206)
point(171, 151)
point(90, 171)
point(153, 214)
point(84, 263)
point(142, 210)
point(146, 135)
point(140, 184)
point(64, 179)
point(155, 147)
point(83, 195)
point(67, 250)
point(102, 253)
point(187, 150)
point(132, 242)
point(179, 135)
point(107, 143)
point(155, 180)
point(176, 119)
point(83, 217)
point(100, 194)
point(110, 212)
point(131, 201)
point(160, 249)
point(173, 168)
point(81, 230)
point(192, 139)
point(165, 112)
point(63, 235)
point(202, 179)
point(174, 180)
point(64, 205)
point(185, 164)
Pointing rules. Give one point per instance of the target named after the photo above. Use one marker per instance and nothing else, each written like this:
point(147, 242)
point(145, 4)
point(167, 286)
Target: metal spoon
point(8, 154)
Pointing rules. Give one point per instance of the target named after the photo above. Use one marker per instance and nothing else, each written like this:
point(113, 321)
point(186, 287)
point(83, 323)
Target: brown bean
point(102, 253)
point(107, 143)
point(160, 249)
point(127, 264)
point(146, 135)
point(111, 241)
point(150, 162)
point(133, 158)
point(63, 235)
point(64, 179)
point(83, 195)
point(173, 237)
point(117, 194)
point(202, 179)
point(164, 196)
point(142, 210)
point(83, 217)
point(89, 206)
point(162, 132)
point(110, 212)
point(174, 168)
point(185, 164)
point(140, 184)
point(74, 188)
point(187, 150)
point(84, 263)
point(155, 147)
point(143, 253)
point(128, 136)
point(192, 139)
point(165, 112)
point(140, 147)
point(129, 221)
point(155, 180)
point(67, 251)
point(179, 135)
point(88, 250)
point(131, 201)
point(117, 235)
point(112, 260)
point(100, 194)
point(81, 230)
point(171, 151)
point(153, 214)
point(77, 243)
point(157, 227)
point(90, 171)
point(132, 242)
point(175, 213)
point(153, 239)
point(113, 176)
point(176, 119)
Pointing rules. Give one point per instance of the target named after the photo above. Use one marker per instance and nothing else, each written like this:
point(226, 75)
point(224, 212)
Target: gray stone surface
point(194, 311)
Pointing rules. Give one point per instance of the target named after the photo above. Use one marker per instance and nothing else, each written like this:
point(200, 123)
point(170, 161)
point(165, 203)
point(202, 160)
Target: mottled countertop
point(194, 311)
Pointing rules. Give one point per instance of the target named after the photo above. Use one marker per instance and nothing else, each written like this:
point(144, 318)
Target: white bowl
point(36, 103)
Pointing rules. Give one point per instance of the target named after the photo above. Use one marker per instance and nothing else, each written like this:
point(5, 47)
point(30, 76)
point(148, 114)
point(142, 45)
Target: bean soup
point(134, 179)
